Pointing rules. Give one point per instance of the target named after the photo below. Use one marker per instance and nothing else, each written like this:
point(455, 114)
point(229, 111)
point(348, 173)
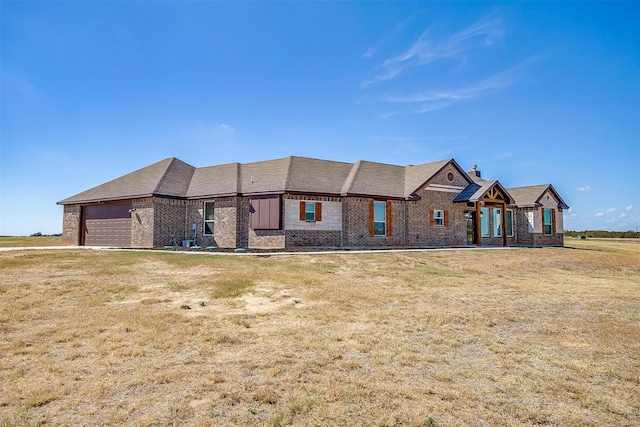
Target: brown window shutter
point(318, 211)
point(302, 211)
point(431, 217)
point(553, 221)
point(371, 218)
point(446, 218)
point(389, 217)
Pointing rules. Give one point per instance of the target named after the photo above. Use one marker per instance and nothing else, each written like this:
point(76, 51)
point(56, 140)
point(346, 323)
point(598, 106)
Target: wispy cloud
point(611, 210)
point(430, 48)
point(584, 189)
point(226, 127)
point(629, 208)
point(372, 50)
point(439, 99)
point(599, 214)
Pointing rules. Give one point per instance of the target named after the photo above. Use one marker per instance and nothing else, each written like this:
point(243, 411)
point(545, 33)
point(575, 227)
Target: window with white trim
point(379, 218)
point(497, 222)
point(309, 211)
point(548, 222)
point(438, 218)
point(509, 223)
point(209, 208)
point(484, 222)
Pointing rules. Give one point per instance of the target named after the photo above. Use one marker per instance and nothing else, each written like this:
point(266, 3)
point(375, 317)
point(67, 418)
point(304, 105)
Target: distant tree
point(604, 234)
point(36, 234)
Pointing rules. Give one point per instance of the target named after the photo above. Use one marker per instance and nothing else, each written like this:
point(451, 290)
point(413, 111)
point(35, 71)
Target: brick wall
point(420, 230)
point(169, 221)
point(142, 220)
point(355, 218)
point(324, 233)
point(225, 215)
point(71, 224)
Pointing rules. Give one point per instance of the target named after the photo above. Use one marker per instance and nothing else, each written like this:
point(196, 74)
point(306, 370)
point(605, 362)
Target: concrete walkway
point(259, 254)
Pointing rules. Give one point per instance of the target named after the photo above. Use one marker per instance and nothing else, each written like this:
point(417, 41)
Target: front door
point(471, 228)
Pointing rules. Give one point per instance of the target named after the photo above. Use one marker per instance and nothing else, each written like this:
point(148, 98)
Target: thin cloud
point(611, 210)
point(439, 99)
point(226, 127)
point(629, 208)
point(584, 189)
point(599, 214)
point(429, 48)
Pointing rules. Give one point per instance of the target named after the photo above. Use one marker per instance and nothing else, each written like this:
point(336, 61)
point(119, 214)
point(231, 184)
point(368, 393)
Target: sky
point(531, 92)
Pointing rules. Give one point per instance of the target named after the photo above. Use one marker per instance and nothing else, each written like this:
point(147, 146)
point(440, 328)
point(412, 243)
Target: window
point(379, 219)
point(208, 218)
point(311, 211)
point(265, 213)
point(438, 218)
point(509, 223)
point(548, 221)
point(484, 222)
point(497, 222)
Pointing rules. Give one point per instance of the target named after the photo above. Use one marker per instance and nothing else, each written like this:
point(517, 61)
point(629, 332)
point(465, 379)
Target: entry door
point(471, 228)
point(107, 225)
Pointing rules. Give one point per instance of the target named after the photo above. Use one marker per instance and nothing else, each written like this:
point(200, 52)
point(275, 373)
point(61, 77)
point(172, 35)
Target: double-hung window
point(497, 222)
point(309, 212)
point(548, 221)
point(438, 218)
point(379, 218)
point(484, 222)
point(208, 218)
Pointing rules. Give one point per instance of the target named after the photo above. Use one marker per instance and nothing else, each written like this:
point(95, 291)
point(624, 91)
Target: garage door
point(107, 225)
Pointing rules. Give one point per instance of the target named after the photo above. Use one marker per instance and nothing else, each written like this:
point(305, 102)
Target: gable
point(449, 178)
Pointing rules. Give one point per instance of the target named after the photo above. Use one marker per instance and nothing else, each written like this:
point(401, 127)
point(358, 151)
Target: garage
point(107, 225)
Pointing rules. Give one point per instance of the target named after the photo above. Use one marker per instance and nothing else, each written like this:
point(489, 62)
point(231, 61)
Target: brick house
point(298, 202)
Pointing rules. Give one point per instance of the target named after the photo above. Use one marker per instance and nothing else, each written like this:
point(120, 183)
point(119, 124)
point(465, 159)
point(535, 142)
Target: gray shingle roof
point(531, 195)
point(479, 188)
point(172, 177)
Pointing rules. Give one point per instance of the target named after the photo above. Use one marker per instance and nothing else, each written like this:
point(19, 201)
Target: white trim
point(444, 188)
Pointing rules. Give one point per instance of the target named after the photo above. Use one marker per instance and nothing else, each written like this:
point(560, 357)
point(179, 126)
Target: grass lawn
point(516, 337)
point(30, 241)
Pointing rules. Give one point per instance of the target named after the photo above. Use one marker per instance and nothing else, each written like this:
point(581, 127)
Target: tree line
point(603, 234)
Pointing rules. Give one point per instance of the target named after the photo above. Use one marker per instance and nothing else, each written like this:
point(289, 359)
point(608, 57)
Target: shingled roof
point(530, 196)
point(175, 178)
point(168, 177)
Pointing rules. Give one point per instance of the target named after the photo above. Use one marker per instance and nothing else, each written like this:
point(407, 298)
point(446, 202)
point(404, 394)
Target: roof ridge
point(351, 177)
point(287, 179)
point(164, 175)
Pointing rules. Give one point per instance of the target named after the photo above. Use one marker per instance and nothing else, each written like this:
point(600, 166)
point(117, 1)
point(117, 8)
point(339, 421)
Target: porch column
point(476, 224)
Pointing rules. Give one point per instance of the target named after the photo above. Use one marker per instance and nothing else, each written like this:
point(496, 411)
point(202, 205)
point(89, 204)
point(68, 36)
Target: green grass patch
point(232, 288)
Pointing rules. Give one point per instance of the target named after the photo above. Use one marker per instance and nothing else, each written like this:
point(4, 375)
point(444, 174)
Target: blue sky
point(531, 92)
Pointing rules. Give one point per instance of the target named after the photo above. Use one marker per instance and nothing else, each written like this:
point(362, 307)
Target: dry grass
point(24, 241)
point(446, 338)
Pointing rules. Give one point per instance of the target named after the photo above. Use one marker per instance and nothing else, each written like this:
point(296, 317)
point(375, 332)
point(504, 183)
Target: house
point(298, 202)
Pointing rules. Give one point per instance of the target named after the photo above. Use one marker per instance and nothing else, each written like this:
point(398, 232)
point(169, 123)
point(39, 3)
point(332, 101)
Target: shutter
point(318, 211)
point(302, 211)
point(255, 214)
point(431, 217)
point(553, 221)
point(371, 218)
point(389, 217)
point(446, 218)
